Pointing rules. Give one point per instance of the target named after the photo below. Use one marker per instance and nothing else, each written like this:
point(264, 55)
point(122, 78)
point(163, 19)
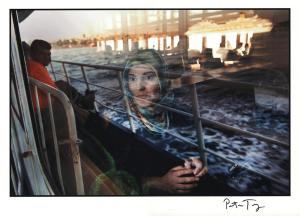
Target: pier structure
point(189, 33)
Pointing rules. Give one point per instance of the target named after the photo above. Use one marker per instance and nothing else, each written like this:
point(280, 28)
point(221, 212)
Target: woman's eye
point(150, 77)
point(132, 79)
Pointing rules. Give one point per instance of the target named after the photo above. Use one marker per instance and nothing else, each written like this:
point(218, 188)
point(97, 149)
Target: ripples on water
point(228, 106)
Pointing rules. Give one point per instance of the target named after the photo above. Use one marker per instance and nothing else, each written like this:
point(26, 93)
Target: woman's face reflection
point(143, 83)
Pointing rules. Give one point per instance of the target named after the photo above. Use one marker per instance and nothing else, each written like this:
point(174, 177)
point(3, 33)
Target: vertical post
point(198, 124)
point(115, 42)
point(183, 24)
point(247, 38)
point(125, 43)
point(128, 111)
point(88, 85)
point(158, 42)
point(53, 71)
point(204, 43)
point(223, 41)
point(57, 157)
point(41, 126)
point(172, 16)
point(183, 65)
point(66, 73)
point(85, 78)
point(164, 31)
point(124, 22)
point(238, 39)
point(146, 39)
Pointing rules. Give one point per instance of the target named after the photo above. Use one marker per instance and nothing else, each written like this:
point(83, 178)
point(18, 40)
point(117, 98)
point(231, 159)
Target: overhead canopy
point(205, 26)
point(23, 14)
point(242, 24)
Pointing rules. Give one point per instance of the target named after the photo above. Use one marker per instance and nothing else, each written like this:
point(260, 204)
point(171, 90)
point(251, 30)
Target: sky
point(52, 25)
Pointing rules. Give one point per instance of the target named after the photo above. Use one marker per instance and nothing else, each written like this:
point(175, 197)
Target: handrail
point(210, 122)
point(223, 126)
point(108, 67)
point(72, 139)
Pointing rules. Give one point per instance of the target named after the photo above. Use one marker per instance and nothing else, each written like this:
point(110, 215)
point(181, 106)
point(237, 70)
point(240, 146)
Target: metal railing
point(196, 116)
point(210, 122)
point(58, 96)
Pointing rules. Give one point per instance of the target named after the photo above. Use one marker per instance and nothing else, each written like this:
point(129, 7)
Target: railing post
point(41, 126)
point(52, 70)
point(66, 73)
point(88, 85)
point(85, 78)
point(54, 136)
point(198, 124)
point(128, 111)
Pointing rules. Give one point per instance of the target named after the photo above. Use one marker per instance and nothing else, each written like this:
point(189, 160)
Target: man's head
point(40, 51)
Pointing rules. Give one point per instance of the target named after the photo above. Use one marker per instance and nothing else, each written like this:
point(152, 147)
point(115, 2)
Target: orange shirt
point(39, 72)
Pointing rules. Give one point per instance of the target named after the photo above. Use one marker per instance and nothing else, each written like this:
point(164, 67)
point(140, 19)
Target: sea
point(231, 106)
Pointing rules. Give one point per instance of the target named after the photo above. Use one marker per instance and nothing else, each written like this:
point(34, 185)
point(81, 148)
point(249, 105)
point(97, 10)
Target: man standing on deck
point(40, 52)
point(37, 60)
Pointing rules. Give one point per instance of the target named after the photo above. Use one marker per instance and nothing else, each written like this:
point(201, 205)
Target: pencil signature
point(246, 203)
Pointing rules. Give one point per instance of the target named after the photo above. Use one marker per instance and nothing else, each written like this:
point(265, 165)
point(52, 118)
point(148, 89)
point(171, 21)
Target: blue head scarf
point(155, 119)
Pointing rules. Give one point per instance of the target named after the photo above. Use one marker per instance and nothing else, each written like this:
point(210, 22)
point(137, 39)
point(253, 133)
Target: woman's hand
point(177, 180)
point(196, 165)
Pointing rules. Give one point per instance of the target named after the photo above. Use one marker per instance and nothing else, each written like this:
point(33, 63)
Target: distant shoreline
point(71, 47)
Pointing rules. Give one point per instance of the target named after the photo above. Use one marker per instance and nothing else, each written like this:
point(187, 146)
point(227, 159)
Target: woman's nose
point(141, 84)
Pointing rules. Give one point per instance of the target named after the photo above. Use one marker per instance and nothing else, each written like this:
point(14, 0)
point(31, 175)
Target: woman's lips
point(143, 96)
